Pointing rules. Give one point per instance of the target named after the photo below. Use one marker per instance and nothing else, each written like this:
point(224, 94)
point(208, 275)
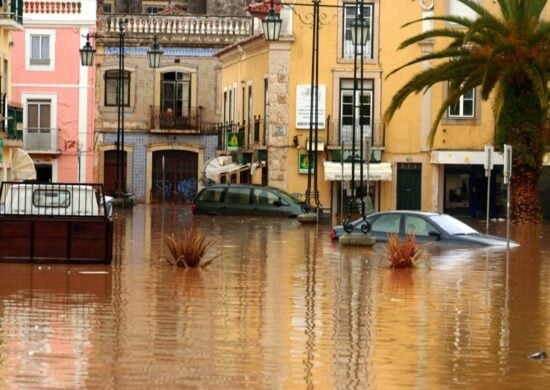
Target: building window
point(456, 8)
point(111, 88)
point(38, 114)
point(152, 8)
point(362, 112)
point(38, 135)
point(176, 94)
point(350, 10)
point(464, 107)
point(107, 7)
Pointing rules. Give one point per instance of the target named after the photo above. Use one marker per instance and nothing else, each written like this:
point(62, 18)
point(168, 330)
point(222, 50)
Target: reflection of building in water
point(49, 315)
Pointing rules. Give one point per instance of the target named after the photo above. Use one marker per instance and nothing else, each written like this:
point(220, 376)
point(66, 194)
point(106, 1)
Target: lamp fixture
point(272, 24)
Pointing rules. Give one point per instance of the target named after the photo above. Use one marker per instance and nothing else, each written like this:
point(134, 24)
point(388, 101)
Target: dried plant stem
point(188, 249)
point(402, 254)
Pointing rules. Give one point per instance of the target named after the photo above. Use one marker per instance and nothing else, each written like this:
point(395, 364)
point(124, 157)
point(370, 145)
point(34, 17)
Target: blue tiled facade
point(141, 141)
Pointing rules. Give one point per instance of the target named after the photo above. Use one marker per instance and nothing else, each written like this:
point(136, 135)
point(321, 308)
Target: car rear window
point(211, 195)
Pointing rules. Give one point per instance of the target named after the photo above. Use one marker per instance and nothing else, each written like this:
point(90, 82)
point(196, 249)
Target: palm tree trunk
point(521, 125)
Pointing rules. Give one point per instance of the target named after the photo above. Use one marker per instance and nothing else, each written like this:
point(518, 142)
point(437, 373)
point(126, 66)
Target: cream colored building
point(265, 82)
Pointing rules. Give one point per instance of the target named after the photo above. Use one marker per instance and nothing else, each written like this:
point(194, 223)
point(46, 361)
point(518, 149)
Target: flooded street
point(282, 307)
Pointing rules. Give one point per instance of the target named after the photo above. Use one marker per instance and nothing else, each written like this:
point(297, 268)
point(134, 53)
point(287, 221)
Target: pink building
point(55, 91)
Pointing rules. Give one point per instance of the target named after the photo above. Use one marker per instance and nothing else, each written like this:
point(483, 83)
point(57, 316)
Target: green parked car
point(246, 199)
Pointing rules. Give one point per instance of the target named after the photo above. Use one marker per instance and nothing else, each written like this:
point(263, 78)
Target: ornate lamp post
point(87, 53)
point(360, 30)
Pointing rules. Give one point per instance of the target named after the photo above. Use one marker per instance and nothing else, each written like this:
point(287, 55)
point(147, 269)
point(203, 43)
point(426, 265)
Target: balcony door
point(39, 132)
point(175, 98)
point(362, 112)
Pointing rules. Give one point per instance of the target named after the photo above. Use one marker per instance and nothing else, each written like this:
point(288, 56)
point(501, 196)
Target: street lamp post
point(360, 35)
point(87, 53)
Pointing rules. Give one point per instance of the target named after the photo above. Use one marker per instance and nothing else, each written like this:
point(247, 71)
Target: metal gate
point(175, 175)
point(409, 186)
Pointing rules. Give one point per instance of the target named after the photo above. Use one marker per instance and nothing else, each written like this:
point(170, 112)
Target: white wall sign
point(303, 106)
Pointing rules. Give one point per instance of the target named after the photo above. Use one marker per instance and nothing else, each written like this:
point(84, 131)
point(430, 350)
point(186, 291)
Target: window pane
point(238, 195)
point(468, 108)
point(35, 47)
point(418, 226)
point(32, 116)
point(349, 17)
point(44, 115)
point(387, 224)
point(45, 47)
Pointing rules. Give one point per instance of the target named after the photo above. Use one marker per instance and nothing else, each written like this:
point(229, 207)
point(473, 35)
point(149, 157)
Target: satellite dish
point(22, 166)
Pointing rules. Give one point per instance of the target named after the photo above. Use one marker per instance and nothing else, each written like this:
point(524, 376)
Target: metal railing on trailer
point(53, 199)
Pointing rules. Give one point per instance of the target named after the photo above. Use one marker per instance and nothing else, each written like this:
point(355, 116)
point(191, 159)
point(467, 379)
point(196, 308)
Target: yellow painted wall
point(405, 137)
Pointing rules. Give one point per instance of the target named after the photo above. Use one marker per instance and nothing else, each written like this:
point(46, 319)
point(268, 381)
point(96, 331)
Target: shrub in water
point(402, 254)
point(188, 249)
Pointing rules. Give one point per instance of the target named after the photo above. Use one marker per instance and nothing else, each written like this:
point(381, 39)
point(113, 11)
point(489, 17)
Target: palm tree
point(506, 56)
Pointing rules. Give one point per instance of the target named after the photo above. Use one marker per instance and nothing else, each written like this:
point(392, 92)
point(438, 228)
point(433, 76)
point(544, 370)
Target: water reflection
point(283, 307)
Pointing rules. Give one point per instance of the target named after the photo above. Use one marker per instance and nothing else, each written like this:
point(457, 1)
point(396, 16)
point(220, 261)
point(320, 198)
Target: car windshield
point(452, 225)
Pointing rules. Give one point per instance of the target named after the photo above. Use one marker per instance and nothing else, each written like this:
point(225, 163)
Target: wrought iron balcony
point(170, 120)
point(343, 133)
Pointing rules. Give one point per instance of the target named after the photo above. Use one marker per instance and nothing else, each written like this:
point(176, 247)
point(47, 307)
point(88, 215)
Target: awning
point(215, 173)
point(220, 165)
point(376, 171)
point(22, 166)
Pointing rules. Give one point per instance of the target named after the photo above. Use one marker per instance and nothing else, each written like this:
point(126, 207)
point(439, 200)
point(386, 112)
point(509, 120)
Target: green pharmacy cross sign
point(304, 162)
point(233, 141)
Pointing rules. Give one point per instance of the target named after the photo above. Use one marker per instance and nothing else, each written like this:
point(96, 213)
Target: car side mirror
point(433, 233)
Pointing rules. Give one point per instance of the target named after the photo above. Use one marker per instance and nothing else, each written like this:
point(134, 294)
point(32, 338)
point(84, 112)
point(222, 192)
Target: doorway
point(409, 182)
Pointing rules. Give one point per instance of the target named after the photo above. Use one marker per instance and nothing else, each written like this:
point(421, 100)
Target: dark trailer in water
point(55, 222)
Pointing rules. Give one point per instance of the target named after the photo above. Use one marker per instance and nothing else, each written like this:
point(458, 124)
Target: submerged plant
point(402, 254)
point(188, 249)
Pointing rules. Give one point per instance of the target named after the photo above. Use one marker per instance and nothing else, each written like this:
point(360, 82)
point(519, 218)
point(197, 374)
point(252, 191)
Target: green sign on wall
point(233, 141)
point(304, 162)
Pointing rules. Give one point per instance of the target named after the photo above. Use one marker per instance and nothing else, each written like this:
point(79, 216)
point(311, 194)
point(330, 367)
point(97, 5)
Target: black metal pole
point(120, 180)
point(313, 110)
point(123, 102)
point(361, 117)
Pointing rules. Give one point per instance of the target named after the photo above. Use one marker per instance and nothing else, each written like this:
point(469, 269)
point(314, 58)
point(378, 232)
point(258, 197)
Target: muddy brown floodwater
point(283, 307)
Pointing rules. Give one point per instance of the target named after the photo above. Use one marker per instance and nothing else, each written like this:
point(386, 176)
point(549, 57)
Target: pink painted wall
point(64, 81)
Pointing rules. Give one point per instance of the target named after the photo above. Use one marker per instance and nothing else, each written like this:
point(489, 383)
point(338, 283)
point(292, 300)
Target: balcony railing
point(248, 135)
point(11, 14)
point(168, 120)
point(44, 140)
point(188, 29)
point(338, 133)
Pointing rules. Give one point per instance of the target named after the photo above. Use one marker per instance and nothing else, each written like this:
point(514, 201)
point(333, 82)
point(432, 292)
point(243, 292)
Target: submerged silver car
point(441, 229)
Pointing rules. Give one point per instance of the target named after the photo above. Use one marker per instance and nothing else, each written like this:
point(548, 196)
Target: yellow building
point(14, 162)
point(266, 89)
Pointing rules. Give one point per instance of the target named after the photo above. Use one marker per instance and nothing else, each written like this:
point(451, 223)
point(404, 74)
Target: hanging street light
point(154, 54)
point(272, 24)
point(87, 54)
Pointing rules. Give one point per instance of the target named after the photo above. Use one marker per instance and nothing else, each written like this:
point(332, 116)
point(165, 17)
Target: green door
point(408, 186)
